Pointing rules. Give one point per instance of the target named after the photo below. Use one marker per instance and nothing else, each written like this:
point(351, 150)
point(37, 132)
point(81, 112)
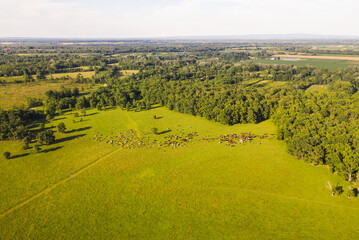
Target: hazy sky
point(155, 18)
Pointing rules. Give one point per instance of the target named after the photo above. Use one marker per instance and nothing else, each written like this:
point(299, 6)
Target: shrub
point(26, 142)
point(154, 130)
point(37, 148)
point(352, 192)
point(7, 155)
point(61, 127)
point(337, 190)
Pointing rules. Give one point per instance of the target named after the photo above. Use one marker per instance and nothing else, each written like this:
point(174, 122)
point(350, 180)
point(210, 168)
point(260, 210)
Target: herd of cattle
point(132, 139)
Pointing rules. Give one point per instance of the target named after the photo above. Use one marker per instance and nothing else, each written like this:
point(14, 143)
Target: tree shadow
point(36, 131)
point(155, 106)
point(90, 114)
point(61, 118)
point(83, 120)
point(19, 155)
point(52, 149)
point(158, 117)
point(79, 129)
point(107, 108)
point(69, 138)
point(163, 132)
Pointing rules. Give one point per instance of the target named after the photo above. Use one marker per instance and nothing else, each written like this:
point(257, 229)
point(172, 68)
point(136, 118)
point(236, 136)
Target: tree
point(26, 142)
point(61, 127)
point(47, 137)
point(48, 117)
point(37, 148)
point(7, 155)
point(352, 192)
point(154, 117)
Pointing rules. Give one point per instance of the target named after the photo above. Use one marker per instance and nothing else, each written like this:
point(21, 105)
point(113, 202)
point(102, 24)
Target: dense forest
point(204, 80)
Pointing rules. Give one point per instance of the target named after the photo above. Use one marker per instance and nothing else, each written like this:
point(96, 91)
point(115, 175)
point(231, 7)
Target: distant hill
point(267, 37)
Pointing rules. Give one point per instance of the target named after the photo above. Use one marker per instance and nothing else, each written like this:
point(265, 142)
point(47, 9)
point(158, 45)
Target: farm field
point(81, 187)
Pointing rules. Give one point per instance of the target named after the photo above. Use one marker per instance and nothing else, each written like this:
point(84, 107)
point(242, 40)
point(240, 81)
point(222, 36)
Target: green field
point(16, 94)
point(81, 188)
point(320, 63)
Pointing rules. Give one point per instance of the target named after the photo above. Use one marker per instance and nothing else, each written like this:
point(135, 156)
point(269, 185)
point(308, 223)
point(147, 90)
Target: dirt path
point(319, 57)
point(133, 125)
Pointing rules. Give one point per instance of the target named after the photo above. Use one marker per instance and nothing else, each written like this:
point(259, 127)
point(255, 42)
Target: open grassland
point(72, 75)
point(330, 64)
point(129, 72)
point(320, 57)
point(16, 94)
point(318, 88)
point(86, 189)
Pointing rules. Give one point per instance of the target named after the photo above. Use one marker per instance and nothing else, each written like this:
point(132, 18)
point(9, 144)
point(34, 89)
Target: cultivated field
point(84, 188)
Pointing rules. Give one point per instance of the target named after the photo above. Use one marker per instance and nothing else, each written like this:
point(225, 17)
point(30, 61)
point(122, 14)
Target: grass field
point(16, 94)
point(330, 64)
point(85, 189)
point(72, 75)
point(330, 57)
point(318, 88)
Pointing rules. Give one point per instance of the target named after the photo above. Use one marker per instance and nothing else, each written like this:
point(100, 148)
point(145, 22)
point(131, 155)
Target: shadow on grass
point(110, 108)
point(20, 155)
point(158, 117)
point(52, 149)
point(36, 131)
point(61, 118)
point(79, 129)
point(90, 114)
point(69, 138)
point(156, 106)
point(163, 132)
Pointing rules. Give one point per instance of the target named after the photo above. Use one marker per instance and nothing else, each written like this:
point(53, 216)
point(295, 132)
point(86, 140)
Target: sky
point(167, 18)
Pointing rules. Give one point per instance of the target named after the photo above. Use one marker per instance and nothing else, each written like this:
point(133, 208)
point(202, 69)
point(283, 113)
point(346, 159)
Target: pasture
point(82, 188)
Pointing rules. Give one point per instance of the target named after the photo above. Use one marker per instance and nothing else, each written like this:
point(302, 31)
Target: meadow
point(80, 188)
point(331, 64)
point(15, 94)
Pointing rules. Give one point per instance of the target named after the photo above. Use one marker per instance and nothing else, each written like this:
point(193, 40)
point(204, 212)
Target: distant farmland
point(331, 64)
point(320, 57)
